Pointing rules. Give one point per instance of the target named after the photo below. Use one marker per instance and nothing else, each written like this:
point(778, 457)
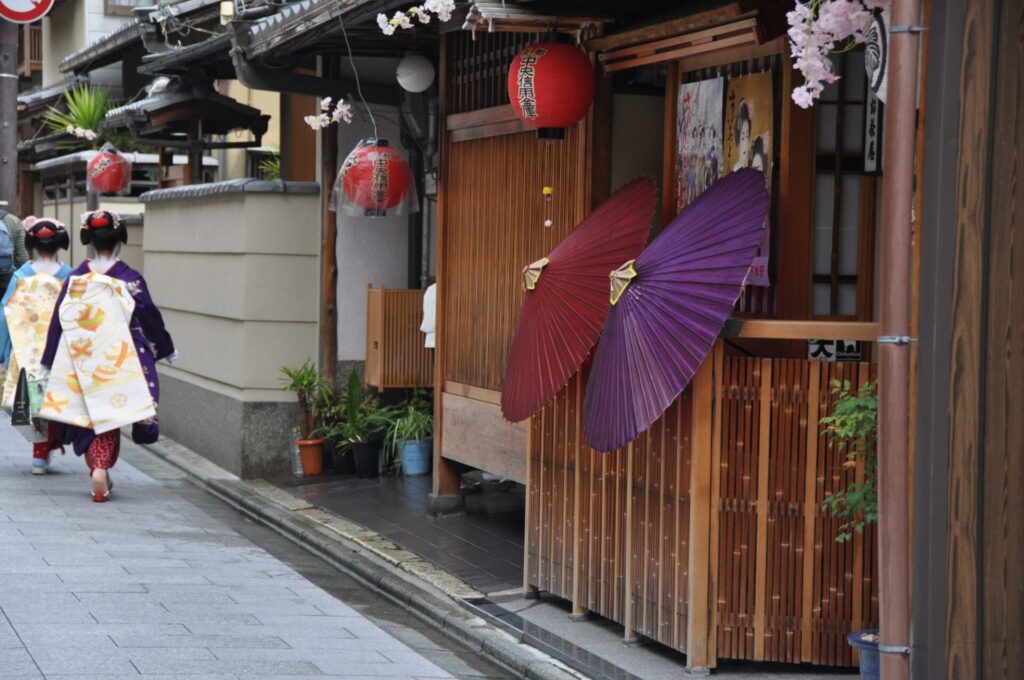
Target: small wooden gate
point(395, 355)
point(706, 534)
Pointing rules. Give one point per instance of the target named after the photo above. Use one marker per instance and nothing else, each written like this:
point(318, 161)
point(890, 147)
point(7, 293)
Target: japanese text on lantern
point(526, 95)
point(380, 176)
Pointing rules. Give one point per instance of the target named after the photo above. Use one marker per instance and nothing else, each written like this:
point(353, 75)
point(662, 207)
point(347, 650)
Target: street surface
point(167, 582)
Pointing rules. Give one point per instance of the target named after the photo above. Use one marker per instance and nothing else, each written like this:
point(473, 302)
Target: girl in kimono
point(105, 232)
point(44, 237)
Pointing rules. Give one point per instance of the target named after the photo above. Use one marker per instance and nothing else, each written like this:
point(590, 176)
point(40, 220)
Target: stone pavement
point(164, 582)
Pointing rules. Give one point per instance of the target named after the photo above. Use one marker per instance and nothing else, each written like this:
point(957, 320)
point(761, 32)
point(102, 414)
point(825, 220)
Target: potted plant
point(408, 442)
point(364, 421)
point(307, 385)
point(854, 425)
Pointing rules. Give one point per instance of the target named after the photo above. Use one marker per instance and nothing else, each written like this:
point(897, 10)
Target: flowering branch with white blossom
point(820, 27)
point(342, 113)
point(442, 8)
point(81, 133)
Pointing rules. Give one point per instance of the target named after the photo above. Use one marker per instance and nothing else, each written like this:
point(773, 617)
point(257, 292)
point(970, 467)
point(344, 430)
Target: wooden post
point(446, 476)
point(8, 114)
point(698, 619)
point(810, 508)
point(328, 354)
point(717, 356)
point(764, 449)
point(629, 634)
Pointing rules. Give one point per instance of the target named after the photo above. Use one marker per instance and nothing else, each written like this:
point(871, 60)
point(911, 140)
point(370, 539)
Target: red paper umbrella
point(669, 307)
point(566, 298)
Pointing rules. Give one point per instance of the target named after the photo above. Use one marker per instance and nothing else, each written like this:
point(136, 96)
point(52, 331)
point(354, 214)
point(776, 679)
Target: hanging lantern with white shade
point(415, 73)
point(374, 181)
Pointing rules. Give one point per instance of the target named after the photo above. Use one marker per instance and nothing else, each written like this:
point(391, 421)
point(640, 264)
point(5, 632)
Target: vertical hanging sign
point(872, 134)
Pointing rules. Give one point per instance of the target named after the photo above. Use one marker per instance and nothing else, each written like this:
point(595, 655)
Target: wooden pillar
point(699, 618)
point(328, 354)
point(446, 476)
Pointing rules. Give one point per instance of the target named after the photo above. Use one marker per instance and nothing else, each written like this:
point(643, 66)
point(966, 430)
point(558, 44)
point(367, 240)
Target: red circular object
point(376, 177)
point(551, 85)
point(108, 171)
point(24, 11)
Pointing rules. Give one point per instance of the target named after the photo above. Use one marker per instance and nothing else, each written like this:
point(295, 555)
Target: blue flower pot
point(868, 652)
point(416, 457)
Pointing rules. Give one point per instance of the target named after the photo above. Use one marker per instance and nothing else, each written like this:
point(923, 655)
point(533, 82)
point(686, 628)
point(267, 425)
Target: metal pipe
point(894, 355)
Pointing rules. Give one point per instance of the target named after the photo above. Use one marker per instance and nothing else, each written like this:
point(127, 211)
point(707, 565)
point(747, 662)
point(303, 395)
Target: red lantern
point(551, 85)
point(376, 180)
point(109, 172)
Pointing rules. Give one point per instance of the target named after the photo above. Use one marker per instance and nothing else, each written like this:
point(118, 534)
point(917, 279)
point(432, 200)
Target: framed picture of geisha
point(749, 121)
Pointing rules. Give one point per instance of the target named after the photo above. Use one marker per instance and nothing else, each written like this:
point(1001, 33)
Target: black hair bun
point(103, 229)
point(47, 236)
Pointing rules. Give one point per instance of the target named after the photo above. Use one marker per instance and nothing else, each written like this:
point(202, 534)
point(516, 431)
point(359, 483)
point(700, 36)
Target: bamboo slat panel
point(477, 66)
point(494, 226)
point(782, 588)
point(395, 355)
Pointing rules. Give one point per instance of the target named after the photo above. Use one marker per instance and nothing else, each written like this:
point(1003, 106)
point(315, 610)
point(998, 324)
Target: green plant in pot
point(362, 426)
point(308, 386)
point(853, 424)
point(408, 442)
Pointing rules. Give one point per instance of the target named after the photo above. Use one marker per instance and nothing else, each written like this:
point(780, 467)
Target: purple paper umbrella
point(668, 307)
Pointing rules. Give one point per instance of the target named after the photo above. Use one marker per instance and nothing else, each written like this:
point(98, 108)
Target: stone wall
point(234, 267)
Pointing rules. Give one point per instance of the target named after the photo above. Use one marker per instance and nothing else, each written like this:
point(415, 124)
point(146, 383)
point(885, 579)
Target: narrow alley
point(168, 582)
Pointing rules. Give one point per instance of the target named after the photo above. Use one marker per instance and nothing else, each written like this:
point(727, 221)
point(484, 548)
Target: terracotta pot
point(312, 453)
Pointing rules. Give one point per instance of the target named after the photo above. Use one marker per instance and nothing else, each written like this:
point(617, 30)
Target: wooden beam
point(768, 329)
point(810, 510)
point(664, 29)
point(328, 316)
point(795, 201)
point(472, 392)
point(446, 476)
point(698, 617)
point(735, 40)
point(764, 451)
point(729, 55)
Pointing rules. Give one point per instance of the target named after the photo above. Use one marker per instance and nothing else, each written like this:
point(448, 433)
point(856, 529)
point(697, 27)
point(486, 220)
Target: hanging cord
point(355, 74)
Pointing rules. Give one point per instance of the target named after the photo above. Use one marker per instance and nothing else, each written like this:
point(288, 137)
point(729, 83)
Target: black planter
point(344, 461)
point(367, 459)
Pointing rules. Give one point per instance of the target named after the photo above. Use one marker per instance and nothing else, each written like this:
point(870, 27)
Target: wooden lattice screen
point(782, 589)
point(395, 355)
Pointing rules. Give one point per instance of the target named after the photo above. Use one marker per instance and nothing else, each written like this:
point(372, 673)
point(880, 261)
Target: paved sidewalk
point(153, 584)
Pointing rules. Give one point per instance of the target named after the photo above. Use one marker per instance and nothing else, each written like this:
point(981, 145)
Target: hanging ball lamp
point(108, 172)
point(551, 85)
point(375, 181)
point(415, 73)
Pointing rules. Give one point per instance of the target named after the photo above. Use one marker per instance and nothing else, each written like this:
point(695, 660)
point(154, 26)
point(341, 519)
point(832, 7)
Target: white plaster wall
point(370, 250)
point(236, 277)
point(65, 30)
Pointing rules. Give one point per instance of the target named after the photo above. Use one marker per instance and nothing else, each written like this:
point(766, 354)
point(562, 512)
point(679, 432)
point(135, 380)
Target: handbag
point(36, 391)
point(22, 413)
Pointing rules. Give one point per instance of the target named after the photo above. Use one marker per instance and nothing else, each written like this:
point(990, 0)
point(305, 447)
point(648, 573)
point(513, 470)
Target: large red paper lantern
point(551, 85)
point(108, 172)
point(376, 180)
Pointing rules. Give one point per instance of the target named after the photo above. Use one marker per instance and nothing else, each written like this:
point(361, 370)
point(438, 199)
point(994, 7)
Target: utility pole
point(8, 114)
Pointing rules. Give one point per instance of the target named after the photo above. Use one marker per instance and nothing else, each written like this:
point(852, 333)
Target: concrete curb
point(397, 574)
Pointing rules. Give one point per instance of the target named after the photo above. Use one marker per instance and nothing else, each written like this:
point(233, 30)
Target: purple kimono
point(152, 343)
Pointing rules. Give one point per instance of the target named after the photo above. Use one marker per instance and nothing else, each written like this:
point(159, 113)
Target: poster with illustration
point(698, 138)
point(749, 122)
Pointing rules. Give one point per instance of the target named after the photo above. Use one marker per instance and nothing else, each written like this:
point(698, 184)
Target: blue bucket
point(868, 652)
point(416, 457)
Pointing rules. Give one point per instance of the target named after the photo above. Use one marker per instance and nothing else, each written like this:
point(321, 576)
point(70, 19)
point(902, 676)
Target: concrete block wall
point(234, 267)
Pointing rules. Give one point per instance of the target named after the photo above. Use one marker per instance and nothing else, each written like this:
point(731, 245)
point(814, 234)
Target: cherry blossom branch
point(442, 8)
point(818, 28)
point(342, 113)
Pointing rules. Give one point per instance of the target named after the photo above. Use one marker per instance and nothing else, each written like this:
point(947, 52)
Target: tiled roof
point(233, 186)
point(104, 50)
